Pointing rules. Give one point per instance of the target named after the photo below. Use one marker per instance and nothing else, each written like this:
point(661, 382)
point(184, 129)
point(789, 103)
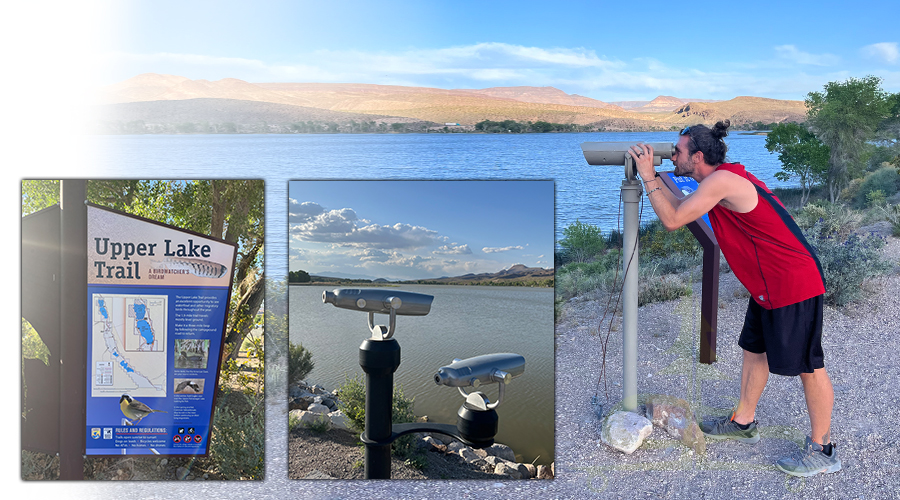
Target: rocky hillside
point(152, 103)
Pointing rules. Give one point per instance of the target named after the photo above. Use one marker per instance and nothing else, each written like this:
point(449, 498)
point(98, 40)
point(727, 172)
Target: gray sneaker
point(810, 460)
point(719, 428)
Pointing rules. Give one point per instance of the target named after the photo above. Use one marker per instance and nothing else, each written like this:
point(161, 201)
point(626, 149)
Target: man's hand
point(643, 160)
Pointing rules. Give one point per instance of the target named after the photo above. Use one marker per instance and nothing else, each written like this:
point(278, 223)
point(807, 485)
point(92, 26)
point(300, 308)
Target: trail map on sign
point(128, 342)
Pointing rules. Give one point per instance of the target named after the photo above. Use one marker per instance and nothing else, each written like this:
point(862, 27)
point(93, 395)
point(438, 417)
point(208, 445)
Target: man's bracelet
point(657, 188)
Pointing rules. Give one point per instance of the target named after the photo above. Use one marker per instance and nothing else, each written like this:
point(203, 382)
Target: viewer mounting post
point(617, 153)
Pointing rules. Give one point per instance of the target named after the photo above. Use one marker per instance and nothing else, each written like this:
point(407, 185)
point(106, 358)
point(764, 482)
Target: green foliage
point(574, 280)
point(885, 179)
point(655, 288)
point(656, 241)
point(845, 117)
point(320, 425)
point(829, 218)
point(801, 154)
point(891, 213)
point(32, 345)
point(237, 445)
point(352, 401)
point(300, 362)
point(540, 126)
point(847, 261)
point(581, 242)
point(247, 375)
point(299, 277)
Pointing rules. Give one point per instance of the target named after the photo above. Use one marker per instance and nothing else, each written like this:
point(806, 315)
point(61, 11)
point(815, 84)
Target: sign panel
point(158, 300)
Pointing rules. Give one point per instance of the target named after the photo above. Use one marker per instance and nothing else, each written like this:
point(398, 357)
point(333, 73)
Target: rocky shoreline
point(317, 421)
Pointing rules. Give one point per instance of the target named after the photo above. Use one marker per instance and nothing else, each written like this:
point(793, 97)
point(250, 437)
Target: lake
point(464, 321)
point(588, 193)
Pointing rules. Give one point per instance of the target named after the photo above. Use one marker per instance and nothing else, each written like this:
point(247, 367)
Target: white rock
point(508, 469)
point(310, 418)
point(318, 408)
point(340, 421)
point(455, 446)
point(502, 451)
point(469, 454)
point(625, 431)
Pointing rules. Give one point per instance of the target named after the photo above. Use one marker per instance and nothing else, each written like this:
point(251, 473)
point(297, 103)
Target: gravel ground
point(860, 342)
point(338, 455)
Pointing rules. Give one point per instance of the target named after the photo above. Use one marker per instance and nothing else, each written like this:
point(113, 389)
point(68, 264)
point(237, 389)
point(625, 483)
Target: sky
point(418, 229)
point(611, 51)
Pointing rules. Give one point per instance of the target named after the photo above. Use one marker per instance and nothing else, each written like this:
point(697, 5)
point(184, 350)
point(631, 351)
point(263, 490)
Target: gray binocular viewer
point(382, 301)
point(619, 153)
point(498, 368)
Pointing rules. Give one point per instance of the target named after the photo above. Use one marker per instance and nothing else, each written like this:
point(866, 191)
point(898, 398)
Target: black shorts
point(791, 336)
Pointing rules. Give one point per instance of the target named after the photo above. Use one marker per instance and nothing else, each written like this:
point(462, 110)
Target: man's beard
point(685, 168)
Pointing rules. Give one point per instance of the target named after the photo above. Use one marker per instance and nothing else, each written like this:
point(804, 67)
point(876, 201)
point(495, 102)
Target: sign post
point(157, 305)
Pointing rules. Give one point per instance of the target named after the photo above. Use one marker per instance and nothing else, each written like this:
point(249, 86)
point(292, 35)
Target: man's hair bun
point(720, 129)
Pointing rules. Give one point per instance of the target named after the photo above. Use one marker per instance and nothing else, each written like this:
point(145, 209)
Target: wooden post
point(709, 301)
point(73, 327)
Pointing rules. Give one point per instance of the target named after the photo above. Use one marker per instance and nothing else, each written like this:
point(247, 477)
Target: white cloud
point(342, 227)
point(303, 212)
point(453, 249)
point(793, 54)
point(888, 52)
point(501, 249)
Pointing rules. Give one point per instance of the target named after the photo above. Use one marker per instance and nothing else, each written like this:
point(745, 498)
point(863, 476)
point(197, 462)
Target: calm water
point(464, 321)
point(583, 192)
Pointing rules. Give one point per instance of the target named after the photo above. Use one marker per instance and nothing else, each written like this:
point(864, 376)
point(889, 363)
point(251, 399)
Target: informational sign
point(158, 301)
point(687, 185)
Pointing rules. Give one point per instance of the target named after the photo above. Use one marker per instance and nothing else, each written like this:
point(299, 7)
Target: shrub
point(237, 444)
point(674, 263)
point(891, 213)
point(885, 179)
point(830, 218)
point(656, 288)
point(352, 401)
point(846, 261)
point(581, 242)
point(300, 362)
point(656, 241)
point(578, 280)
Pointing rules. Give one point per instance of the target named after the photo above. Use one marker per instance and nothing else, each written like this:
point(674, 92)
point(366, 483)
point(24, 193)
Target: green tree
point(299, 277)
point(802, 156)
point(844, 117)
point(582, 242)
point(300, 362)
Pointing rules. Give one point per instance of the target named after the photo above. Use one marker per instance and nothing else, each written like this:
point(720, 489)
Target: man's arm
point(672, 212)
point(692, 207)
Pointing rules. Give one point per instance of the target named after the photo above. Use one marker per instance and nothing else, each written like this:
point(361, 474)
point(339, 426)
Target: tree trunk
point(246, 309)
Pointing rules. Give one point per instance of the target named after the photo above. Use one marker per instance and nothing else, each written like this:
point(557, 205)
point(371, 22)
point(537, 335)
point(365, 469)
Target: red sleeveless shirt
point(766, 250)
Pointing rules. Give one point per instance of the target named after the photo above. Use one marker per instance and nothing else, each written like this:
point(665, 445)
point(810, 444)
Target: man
point(765, 249)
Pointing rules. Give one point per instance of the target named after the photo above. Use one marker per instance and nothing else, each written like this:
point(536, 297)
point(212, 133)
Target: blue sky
point(419, 229)
point(605, 50)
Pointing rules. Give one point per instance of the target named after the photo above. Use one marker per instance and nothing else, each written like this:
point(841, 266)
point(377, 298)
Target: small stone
point(181, 473)
point(532, 470)
point(625, 431)
point(508, 469)
point(502, 451)
point(544, 472)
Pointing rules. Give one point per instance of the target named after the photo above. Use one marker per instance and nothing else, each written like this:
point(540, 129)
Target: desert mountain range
point(154, 99)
